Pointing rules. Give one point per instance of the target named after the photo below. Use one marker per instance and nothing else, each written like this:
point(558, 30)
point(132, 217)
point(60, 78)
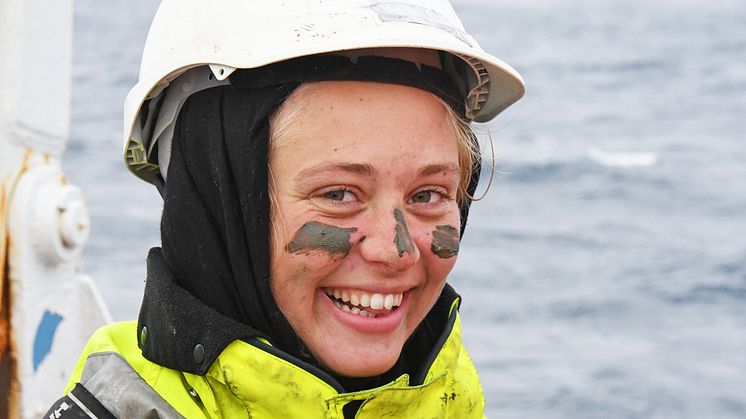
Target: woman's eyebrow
point(355, 168)
point(433, 169)
point(367, 170)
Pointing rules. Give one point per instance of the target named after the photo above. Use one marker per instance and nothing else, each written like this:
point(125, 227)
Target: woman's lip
point(383, 323)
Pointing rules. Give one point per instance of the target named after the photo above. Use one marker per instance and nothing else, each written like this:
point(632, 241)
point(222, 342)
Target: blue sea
point(604, 275)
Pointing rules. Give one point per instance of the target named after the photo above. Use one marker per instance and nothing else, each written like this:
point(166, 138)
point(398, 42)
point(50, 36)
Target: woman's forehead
point(360, 111)
point(368, 129)
point(356, 103)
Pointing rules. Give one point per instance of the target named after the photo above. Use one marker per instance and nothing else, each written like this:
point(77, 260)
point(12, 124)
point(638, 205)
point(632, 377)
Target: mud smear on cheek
point(445, 241)
point(319, 236)
point(402, 240)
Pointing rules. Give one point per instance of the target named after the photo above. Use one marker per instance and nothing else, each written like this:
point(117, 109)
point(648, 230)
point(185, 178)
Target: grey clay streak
point(319, 236)
point(402, 240)
point(445, 241)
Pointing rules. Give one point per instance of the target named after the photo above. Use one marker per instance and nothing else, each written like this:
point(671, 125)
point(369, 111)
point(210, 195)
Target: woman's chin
point(364, 364)
point(358, 346)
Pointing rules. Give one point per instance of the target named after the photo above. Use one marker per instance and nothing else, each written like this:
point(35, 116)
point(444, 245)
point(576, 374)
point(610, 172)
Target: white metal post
point(49, 308)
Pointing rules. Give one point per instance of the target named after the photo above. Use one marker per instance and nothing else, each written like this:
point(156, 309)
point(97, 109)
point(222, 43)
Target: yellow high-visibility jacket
point(251, 379)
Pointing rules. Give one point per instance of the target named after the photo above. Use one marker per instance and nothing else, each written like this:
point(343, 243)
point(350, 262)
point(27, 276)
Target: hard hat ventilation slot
point(479, 93)
point(137, 161)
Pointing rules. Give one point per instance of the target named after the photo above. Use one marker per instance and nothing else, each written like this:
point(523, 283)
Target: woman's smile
point(374, 313)
point(364, 303)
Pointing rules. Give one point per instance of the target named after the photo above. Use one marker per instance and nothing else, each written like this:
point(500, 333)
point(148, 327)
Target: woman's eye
point(340, 195)
point(422, 197)
point(428, 196)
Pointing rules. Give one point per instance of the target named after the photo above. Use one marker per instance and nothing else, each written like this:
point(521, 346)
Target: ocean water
point(604, 275)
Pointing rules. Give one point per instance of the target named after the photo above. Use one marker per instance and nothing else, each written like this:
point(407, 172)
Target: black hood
point(215, 227)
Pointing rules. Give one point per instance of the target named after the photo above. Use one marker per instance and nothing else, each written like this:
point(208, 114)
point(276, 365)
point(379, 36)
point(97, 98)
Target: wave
point(623, 159)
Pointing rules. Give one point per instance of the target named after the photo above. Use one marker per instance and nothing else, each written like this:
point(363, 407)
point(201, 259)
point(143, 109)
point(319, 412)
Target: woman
point(316, 176)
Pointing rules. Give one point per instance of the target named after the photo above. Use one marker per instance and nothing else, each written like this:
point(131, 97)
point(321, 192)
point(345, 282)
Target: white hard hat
point(217, 37)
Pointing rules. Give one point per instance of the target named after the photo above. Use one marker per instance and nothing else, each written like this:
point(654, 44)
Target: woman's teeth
point(355, 302)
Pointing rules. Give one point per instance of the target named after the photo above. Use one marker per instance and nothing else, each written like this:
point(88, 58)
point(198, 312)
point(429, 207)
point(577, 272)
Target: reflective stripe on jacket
point(253, 380)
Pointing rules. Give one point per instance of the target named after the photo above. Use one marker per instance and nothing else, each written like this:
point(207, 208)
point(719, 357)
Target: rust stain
point(3, 253)
point(7, 187)
point(9, 385)
point(25, 165)
point(4, 239)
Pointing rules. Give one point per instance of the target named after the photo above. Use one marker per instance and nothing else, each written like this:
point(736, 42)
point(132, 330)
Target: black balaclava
point(216, 215)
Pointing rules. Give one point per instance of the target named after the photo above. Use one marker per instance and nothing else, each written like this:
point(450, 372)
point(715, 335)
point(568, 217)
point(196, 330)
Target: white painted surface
point(54, 308)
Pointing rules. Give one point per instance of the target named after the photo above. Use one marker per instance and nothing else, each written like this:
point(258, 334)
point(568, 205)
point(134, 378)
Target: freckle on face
point(299, 272)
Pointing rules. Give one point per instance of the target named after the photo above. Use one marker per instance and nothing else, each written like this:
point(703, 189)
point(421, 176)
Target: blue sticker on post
point(44, 336)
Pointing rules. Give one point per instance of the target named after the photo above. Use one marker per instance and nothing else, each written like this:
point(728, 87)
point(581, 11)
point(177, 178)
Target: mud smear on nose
point(402, 240)
point(445, 241)
point(319, 236)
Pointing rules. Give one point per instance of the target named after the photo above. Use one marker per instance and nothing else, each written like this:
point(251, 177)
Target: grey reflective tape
point(121, 390)
point(81, 406)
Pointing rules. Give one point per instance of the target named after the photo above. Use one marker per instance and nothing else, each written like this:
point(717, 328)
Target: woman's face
point(367, 224)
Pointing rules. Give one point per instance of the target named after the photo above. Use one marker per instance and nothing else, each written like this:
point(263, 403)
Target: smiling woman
point(315, 191)
point(367, 179)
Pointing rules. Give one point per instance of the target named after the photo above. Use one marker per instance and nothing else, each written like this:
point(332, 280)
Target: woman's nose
point(388, 241)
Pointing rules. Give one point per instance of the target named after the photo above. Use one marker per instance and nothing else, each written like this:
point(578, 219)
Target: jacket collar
point(267, 382)
point(177, 330)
